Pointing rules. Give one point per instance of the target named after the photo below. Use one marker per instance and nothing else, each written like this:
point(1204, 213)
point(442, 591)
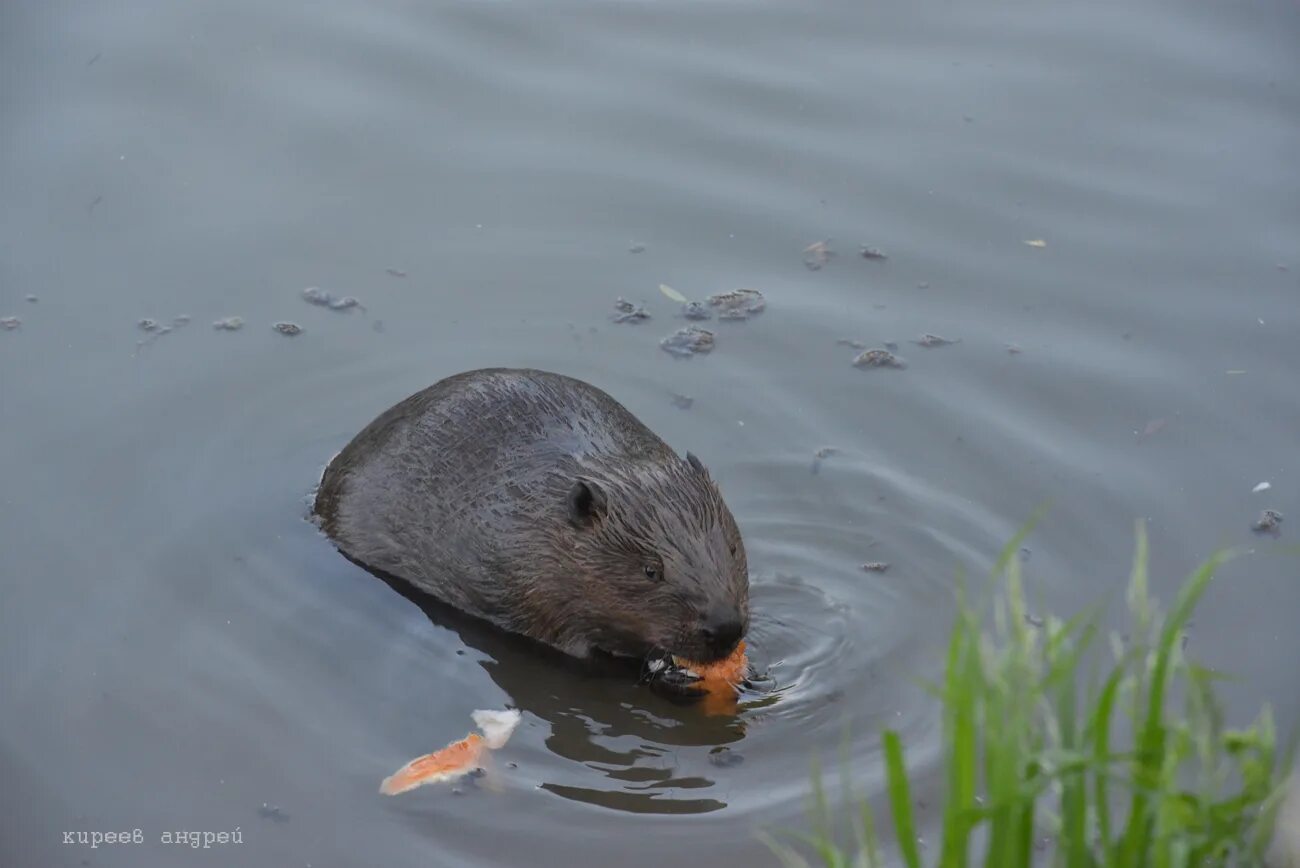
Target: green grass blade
point(1023, 832)
point(870, 841)
point(1074, 797)
point(1098, 733)
point(960, 691)
point(784, 853)
point(1152, 738)
point(900, 799)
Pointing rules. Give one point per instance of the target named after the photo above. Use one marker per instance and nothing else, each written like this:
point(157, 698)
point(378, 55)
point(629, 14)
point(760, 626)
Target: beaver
point(540, 504)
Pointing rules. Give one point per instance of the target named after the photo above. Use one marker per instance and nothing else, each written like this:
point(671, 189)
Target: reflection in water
point(623, 729)
point(639, 803)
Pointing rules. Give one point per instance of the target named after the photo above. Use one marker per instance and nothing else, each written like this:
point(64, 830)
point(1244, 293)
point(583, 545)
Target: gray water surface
point(181, 647)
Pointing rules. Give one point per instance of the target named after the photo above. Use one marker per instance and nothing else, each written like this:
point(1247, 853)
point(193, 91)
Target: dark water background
point(180, 646)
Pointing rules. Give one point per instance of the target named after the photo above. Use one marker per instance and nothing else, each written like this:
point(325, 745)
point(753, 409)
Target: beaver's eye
point(733, 550)
point(652, 572)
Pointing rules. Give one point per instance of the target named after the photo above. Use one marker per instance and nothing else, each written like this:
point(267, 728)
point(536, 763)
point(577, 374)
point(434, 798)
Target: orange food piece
point(720, 680)
point(454, 760)
point(725, 673)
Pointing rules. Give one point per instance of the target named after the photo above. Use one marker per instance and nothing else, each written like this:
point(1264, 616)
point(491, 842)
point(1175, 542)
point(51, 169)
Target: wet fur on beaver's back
point(539, 503)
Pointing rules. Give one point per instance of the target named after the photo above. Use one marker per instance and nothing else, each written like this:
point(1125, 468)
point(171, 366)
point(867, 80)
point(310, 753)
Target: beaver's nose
point(722, 630)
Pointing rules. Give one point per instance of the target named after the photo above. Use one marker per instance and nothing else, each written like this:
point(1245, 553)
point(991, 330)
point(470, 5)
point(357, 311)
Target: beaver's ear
point(695, 462)
point(586, 502)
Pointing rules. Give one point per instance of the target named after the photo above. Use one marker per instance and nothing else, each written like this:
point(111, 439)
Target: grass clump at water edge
point(1031, 752)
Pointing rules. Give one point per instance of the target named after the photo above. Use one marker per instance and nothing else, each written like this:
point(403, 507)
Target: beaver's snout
point(720, 632)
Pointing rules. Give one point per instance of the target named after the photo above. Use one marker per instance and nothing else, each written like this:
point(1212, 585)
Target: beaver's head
point(658, 562)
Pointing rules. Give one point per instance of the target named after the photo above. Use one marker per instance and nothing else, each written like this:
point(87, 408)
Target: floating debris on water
point(31, 298)
point(629, 312)
point(683, 402)
point(157, 329)
point(10, 323)
point(821, 455)
point(846, 342)
point(1037, 242)
point(930, 341)
point(697, 310)
point(687, 342)
point(875, 566)
point(817, 254)
point(738, 303)
point(316, 295)
point(872, 253)
point(1014, 349)
point(636, 248)
point(878, 359)
point(288, 328)
point(273, 813)
point(1263, 486)
point(725, 758)
point(673, 294)
point(394, 272)
point(1152, 427)
point(319, 297)
point(1269, 522)
point(229, 324)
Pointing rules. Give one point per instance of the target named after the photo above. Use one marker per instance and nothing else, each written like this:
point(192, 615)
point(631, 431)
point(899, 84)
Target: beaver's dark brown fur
point(539, 503)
